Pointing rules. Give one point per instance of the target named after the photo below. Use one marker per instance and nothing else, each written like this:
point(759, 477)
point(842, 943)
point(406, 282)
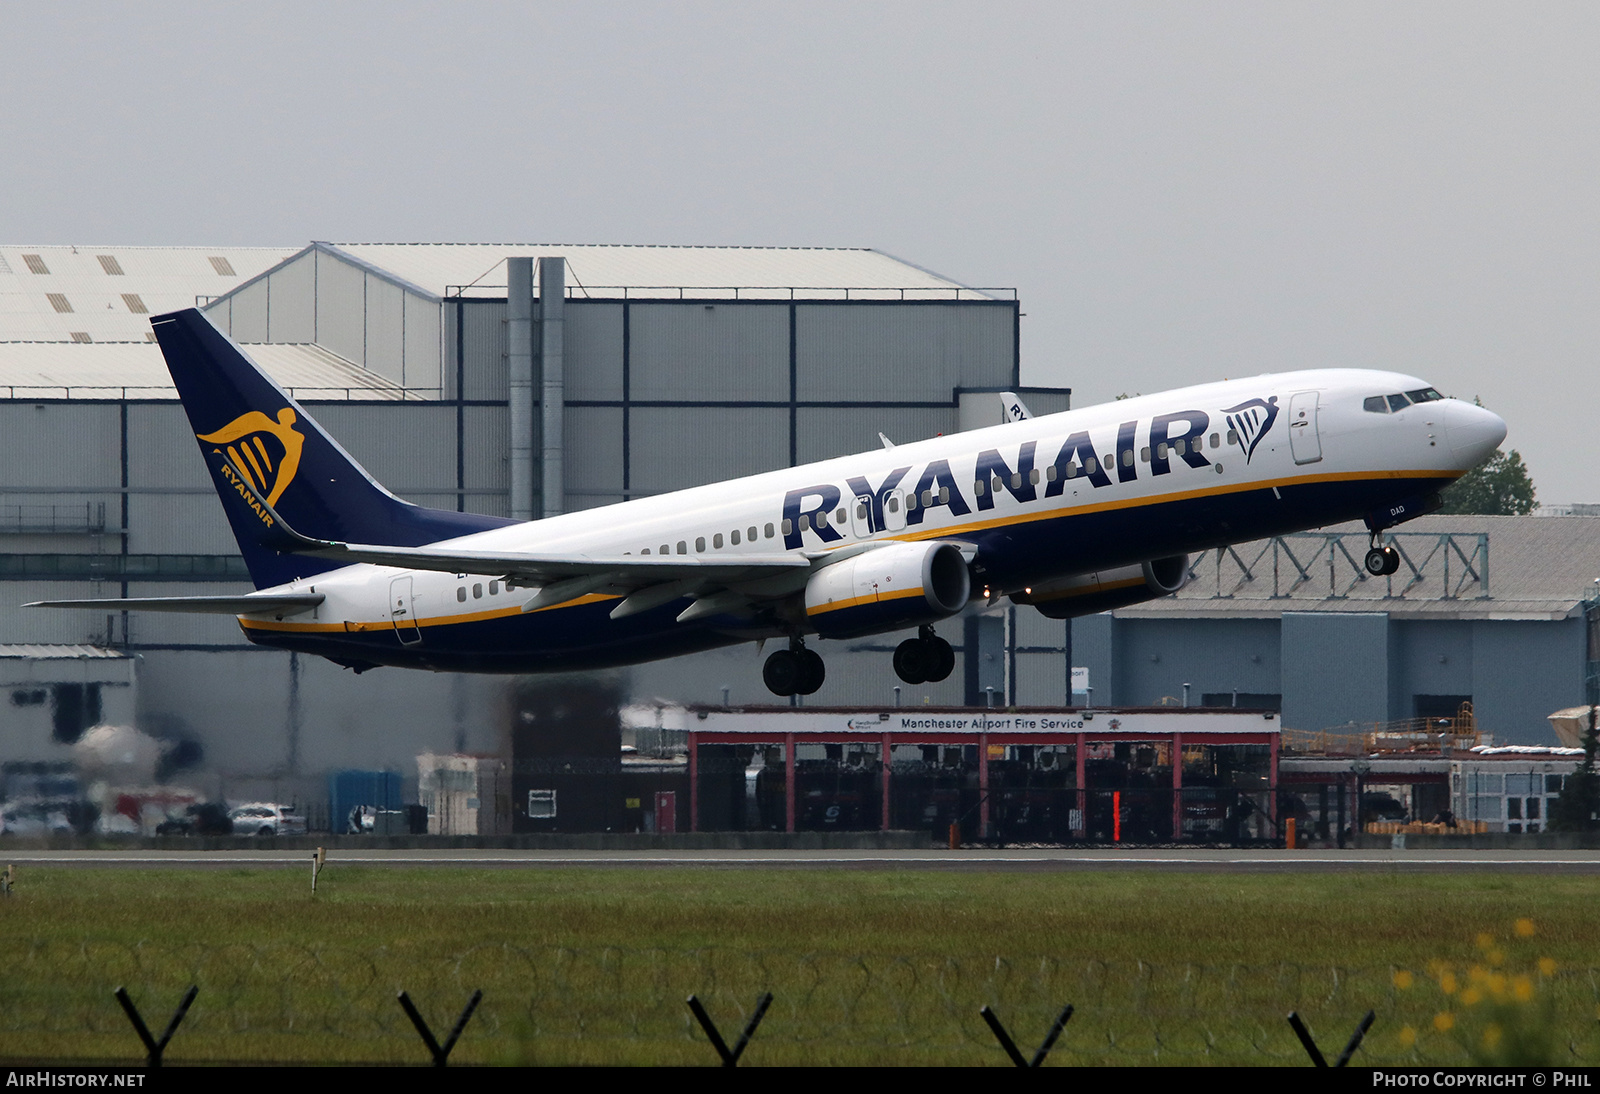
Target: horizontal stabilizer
point(283, 603)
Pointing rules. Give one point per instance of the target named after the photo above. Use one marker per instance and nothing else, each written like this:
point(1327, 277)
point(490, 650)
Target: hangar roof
point(604, 269)
point(1507, 568)
point(108, 293)
point(136, 370)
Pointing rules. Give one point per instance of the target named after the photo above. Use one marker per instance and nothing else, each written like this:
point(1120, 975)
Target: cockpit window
point(1398, 403)
point(1376, 404)
point(1425, 395)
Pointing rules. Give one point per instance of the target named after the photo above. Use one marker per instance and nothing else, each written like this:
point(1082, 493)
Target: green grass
point(867, 966)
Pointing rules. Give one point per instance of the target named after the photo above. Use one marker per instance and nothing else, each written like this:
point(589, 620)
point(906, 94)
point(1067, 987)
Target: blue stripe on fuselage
point(583, 636)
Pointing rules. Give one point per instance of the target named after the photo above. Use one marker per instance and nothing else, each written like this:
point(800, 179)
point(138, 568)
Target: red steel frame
point(983, 739)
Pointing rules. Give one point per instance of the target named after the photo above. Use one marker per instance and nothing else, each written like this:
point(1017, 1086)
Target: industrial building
point(1494, 612)
point(648, 369)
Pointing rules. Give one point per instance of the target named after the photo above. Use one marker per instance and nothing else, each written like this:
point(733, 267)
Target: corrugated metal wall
point(293, 306)
point(486, 469)
point(675, 447)
point(593, 456)
point(76, 444)
point(902, 351)
point(700, 351)
point(409, 447)
point(824, 432)
point(386, 329)
point(341, 308)
point(594, 349)
point(480, 342)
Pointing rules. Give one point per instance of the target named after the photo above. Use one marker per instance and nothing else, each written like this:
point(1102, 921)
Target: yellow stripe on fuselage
point(906, 536)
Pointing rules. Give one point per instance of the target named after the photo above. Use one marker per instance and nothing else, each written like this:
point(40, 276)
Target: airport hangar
point(677, 366)
point(1499, 612)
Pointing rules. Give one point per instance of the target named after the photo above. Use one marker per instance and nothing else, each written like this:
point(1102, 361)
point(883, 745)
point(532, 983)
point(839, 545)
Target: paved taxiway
point(1010, 859)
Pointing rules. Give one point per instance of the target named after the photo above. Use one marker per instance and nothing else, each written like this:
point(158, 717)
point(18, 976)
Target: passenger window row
point(1183, 445)
point(734, 538)
point(477, 591)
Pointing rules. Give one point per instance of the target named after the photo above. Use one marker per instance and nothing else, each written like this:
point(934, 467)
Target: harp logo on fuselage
point(261, 452)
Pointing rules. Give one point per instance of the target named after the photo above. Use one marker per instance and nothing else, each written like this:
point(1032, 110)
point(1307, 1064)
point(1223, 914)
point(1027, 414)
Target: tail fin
point(248, 426)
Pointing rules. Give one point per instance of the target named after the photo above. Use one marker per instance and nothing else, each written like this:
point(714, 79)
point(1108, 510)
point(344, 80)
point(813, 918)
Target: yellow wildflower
point(1522, 989)
point(1408, 1036)
point(1444, 1022)
point(1491, 1036)
point(1547, 966)
point(1524, 928)
point(1447, 983)
point(1485, 941)
point(1402, 979)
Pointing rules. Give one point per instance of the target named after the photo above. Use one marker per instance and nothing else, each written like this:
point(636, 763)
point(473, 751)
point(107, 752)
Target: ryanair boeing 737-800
point(1071, 513)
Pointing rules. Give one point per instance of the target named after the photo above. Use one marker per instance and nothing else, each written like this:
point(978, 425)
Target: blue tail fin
point(248, 426)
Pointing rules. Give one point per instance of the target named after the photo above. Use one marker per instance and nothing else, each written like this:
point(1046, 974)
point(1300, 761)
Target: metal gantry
point(1294, 562)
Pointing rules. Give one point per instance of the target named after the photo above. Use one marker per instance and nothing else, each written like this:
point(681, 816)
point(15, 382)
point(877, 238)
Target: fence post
point(729, 1058)
point(153, 1047)
point(440, 1053)
point(1010, 1046)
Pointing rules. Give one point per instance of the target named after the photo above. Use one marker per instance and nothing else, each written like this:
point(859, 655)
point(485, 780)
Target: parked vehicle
point(267, 819)
point(200, 819)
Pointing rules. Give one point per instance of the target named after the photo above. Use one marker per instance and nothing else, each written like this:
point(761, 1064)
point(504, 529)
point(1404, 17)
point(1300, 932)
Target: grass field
point(585, 965)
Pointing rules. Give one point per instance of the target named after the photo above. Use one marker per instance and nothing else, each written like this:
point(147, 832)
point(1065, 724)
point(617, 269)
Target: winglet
point(1012, 408)
point(887, 443)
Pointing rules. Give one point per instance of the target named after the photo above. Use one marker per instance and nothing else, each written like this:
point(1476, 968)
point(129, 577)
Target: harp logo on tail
point(1252, 420)
point(261, 452)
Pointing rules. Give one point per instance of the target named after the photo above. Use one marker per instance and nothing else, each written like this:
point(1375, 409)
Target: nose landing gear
point(1382, 560)
point(926, 658)
point(794, 671)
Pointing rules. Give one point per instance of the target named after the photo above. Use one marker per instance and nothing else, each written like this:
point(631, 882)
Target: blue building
point(1486, 610)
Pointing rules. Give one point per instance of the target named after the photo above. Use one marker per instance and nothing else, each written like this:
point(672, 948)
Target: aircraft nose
point(1473, 432)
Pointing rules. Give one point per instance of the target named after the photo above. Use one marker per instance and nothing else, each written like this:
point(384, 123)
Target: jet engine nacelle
point(1087, 594)
point(888, 588)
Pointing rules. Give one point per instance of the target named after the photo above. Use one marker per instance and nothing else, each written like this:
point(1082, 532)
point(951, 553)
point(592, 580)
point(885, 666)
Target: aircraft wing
point(620, 571)
point(541, 568)
point(284, 603)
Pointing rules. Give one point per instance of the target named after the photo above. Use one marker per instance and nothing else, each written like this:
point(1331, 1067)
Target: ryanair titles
point(902, 500)
point(233, 479)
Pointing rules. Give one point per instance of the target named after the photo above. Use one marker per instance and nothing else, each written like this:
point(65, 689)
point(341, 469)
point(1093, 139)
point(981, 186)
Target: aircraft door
point(894, 511)
point(1304, 441)
point(861, 517)
point(402, 610)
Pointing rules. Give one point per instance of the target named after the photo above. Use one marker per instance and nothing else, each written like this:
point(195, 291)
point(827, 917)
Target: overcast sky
point(1179, 192)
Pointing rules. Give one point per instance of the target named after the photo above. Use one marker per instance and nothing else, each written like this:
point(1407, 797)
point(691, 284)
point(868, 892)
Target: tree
point(1578, 807)
point(1499, 486)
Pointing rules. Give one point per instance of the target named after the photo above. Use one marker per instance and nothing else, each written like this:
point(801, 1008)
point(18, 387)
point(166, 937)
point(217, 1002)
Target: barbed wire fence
point(539, 1004)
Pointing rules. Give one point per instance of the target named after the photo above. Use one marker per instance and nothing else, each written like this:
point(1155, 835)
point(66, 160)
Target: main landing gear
point(1382, 560)
point(794, 671)
point(926, 658)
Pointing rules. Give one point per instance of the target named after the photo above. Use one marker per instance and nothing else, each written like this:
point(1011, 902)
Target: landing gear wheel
point(783, 673)
point(1382, 561)
point(944, 660)
point(912, 661)
point(814, 672)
